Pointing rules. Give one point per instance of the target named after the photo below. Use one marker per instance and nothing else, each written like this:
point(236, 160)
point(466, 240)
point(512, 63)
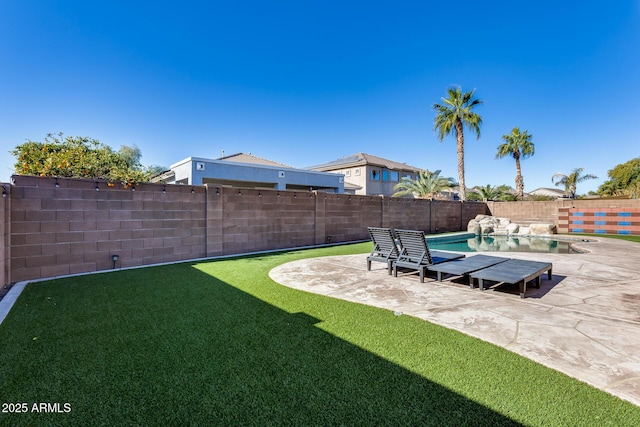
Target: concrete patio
point(585, 322)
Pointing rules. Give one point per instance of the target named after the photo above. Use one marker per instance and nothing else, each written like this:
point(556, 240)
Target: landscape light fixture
point(133, 187)
point(164, 188)
point(192, 190)
point(4, 192)
point(114, 258)
point(57, 183)
point(97, 188)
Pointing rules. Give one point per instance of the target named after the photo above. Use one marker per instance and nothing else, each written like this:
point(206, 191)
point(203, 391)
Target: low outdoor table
point(464, 266)
point(513, 271)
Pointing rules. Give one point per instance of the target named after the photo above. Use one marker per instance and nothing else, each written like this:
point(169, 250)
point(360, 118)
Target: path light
point(4, 192)
point(97, 188)
point(164, 188)
point(114, 258)
point(57, 183)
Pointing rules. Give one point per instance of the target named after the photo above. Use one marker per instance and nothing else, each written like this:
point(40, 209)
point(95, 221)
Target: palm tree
point(519, 146)
point(488, 192)
point(571, 181)
point(455, 113)
point(426, 185)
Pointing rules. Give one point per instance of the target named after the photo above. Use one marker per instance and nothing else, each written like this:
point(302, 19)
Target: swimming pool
point(501, 244)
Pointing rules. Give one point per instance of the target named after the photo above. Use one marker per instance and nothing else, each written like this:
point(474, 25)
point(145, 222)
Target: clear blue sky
point(306, 82)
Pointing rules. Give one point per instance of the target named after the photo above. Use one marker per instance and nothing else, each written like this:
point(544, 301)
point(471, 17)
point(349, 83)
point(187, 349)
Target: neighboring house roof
point(350, 186)
point(362, 159)
point(543, 191)
point(249, 158)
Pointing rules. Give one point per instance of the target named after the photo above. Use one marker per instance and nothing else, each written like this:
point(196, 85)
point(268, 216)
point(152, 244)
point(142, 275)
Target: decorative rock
point(473, 227)
point(542, 229)
point(513, 228)
point(523, 231)
point(486, 224)
point(486, 227)
point(503, 222)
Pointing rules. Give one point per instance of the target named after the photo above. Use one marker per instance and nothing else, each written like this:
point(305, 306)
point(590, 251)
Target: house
point(365, 174)
point(246, 170)
point(551, 192)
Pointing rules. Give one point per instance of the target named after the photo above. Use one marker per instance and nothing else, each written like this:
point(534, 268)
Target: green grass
point(219, 343)
point(628, 238)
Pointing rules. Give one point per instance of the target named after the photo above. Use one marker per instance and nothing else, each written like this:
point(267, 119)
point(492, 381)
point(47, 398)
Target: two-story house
point(365, 174)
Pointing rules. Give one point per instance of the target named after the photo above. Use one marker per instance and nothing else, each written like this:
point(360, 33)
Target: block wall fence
point(52, 227)
point(597, 216)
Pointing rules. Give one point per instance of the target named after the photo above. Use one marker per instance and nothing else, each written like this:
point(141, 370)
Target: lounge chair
point(384, 247)
point(513, 271)
point(462, 267)
point(415, 254)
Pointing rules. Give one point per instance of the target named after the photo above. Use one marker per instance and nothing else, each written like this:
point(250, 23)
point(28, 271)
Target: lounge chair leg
point(481, 284)
point(523, 288)
point(421, 275)
point(538, 282)
point(549, 274)
point(368, 265)
point(471, 282)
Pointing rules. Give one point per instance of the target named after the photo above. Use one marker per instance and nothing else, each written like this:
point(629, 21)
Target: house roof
point(250, 158)
point(363, 159)
point(544, 191)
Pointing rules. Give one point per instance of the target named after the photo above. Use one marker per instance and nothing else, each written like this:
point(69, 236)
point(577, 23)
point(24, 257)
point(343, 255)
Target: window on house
point(385, 175)
point(395, 176)
point(375, 175)
point(356, 172)
point(347, 173)
point(407, 175)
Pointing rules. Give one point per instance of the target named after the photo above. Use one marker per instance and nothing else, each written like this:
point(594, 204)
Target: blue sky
point(306, 82)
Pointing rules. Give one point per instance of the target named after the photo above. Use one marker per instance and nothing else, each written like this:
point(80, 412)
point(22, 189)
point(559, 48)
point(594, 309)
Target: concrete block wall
point(4, 233)
point(348, 216)
point(251, 220)
point(407, 214)
point(526, 213)
point(619, 220)
point(55, 227)
point(556, 211)
point(72, 228)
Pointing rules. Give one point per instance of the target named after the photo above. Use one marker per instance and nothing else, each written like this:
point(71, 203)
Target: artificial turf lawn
point(219, 343)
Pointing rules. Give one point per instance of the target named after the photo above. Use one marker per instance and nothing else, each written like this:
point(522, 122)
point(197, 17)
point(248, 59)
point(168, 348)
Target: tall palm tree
point(426, 185)
point(571, 181)
point(453, 114)
point(519, 146)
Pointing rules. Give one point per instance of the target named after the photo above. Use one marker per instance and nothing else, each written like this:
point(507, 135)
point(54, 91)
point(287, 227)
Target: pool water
point(504, 244)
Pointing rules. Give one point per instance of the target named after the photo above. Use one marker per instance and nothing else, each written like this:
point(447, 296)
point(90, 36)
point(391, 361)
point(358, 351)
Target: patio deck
point(585, 322)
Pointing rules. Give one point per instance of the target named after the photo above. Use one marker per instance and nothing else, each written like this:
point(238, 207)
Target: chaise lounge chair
point(514, 271)
point(385, 248)
point(462, 267)
point(415, 254)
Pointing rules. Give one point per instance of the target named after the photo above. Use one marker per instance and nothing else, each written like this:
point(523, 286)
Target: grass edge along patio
point(218, 342)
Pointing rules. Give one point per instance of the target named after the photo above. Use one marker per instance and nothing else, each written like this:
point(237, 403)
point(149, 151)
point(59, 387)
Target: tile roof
point(362, 159)
point(249, 158)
